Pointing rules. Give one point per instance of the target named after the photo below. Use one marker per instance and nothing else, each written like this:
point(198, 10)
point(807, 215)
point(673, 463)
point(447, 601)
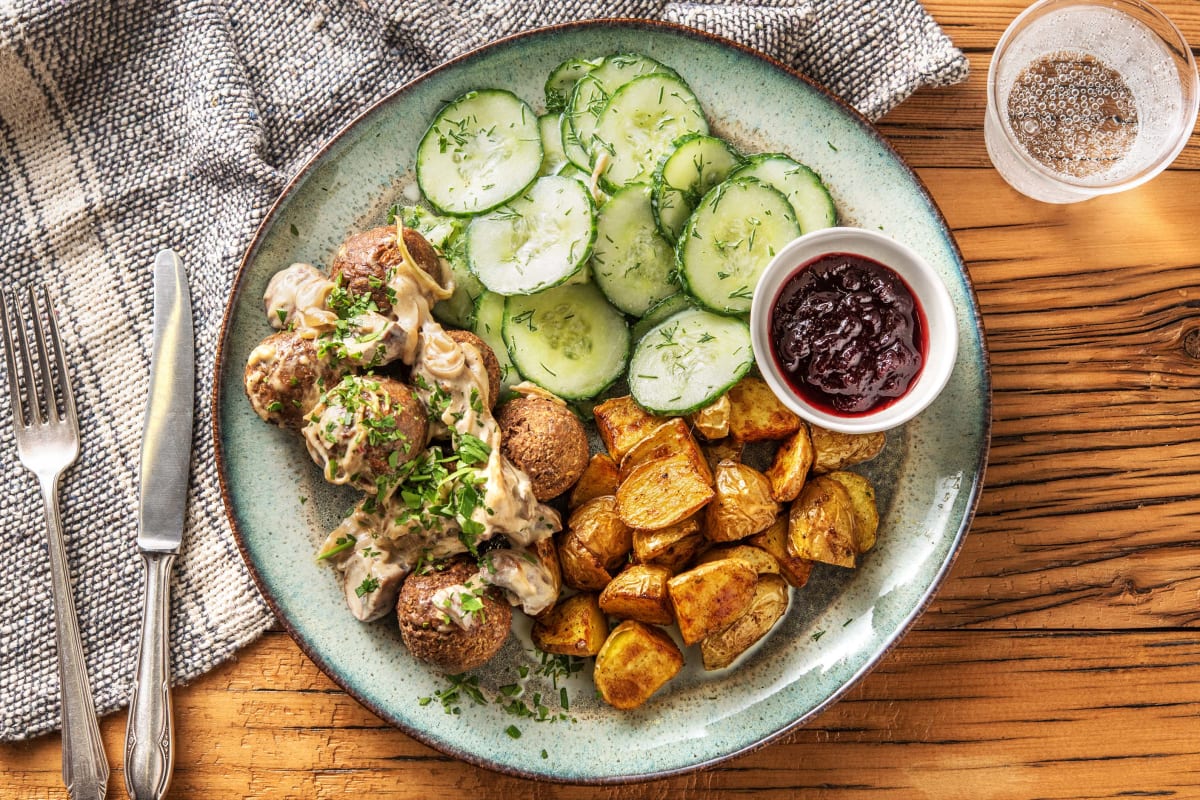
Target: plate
point(839, 625)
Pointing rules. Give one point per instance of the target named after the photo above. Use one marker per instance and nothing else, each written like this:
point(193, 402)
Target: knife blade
point(163, 478)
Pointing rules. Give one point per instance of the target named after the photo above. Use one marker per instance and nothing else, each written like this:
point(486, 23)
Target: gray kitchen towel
point(131, 125)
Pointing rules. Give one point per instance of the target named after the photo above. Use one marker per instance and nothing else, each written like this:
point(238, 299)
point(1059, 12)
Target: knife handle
point(149, 736)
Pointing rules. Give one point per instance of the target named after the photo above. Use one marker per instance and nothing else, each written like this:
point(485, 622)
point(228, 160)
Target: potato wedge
point(574, 627)
point(773, 540)
point(833, 450)
point(756, 558)
point(547, 553)
point(622, 423)
point(639, 592)
point(789, 469)
point(756, 414)
point(581, 568)
point(727, 449)
point(634, 663)
point(600, 477)
point(649, 545)
point(662, 492)
point(711, 596)
point(712, 421)
point(719, 650)
point(598, 526)
point(678, 556)
point(862, 499)
point(671, 438)
point(821, 523)
point(743, 505)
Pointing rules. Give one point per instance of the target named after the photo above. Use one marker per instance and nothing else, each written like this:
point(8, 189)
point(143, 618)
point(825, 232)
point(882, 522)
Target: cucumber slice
point(553, 155)
point(736, 230)
point(803, 188)
point(583, 111)
point(568, 340)
point(489, 326)
point(689, 360)
point(480, 151)
point(576, 155)
point(640, 124)
point(619, 69)
point(631, 263)
point(697, 164)
point(667, 307)
point(562, 81)
point(538, 240)
point(446, 236)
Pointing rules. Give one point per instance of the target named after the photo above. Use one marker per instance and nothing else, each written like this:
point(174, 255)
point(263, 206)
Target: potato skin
point(862, 501)
point(449, 647)
point(575, 627)
point(662, 492)
point(773, 540)
point(770, 602)
point(833, 450)
point(709, 597)
point(757, 415)
point(743, 504)
point(635, 661)
point(599, 478)
point(622, 423)
point(639, 592)
point(789, 469)
point(594, 544)
point(544, 440)
point(821, 523)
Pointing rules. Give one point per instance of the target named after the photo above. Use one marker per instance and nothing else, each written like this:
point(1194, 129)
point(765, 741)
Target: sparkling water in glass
point(1088, 97)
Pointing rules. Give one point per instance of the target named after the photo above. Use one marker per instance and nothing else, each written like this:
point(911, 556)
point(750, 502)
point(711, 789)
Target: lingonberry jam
point(847, 334)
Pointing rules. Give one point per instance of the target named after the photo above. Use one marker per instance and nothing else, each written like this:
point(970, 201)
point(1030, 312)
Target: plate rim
point(315, 160)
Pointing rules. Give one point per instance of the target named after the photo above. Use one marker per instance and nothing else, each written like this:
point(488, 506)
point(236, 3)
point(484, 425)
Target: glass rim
point(1178, 47)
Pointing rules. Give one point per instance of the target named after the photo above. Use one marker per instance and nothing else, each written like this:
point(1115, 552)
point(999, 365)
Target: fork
point(46, 428)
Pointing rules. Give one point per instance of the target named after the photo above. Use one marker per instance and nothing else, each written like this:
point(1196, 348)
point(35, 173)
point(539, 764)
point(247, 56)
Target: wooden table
point(1060, 659)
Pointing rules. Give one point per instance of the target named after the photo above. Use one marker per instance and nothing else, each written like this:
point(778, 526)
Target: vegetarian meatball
point(490, 362)
point(362, 262)
point(285, 377)
point(364, 429)
point(451, 618)
point(544, 440)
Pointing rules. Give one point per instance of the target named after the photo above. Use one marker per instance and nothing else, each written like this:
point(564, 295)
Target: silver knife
point(166, 457)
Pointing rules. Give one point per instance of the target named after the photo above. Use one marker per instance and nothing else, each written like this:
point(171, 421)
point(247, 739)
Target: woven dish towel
point(127, 126)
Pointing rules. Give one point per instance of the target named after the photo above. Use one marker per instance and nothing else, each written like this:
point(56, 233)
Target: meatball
point(490, 362)
point(285, 376)
point(546, 441)
point(363, 429)
point(362, 262)
point(429, 605)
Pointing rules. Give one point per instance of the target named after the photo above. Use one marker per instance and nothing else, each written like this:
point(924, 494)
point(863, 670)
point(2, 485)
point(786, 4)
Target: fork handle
point(84, 767)
point(149, 737)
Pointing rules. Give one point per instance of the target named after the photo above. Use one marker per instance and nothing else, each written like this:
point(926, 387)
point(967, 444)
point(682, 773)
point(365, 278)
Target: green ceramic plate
point(838, 626)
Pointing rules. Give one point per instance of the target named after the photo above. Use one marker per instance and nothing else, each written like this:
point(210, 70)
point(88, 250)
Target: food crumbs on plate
point(513, 731)
point(818, 635)
point(545, 754)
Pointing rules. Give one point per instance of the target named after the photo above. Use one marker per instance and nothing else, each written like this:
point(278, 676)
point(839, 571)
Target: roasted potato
point(712, 421)
point(756, 414)
point(671, 438)
point(709, 597)
point(547, 553)
point(635, 661)
point(795, 570)
point(719, 650)
point(662, 492)
point(649, 545)
point(756, 558)
point(833, 450)
point(574, 627)
point(821, 523)
point(727, 449)
point(600, 477)
point(791, 465)
point(862, 499)
point(639, 592)
point(622, 423)
point(594, 543)
point(742, 505)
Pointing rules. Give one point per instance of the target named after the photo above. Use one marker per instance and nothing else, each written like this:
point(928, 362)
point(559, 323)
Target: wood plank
point(987, 714)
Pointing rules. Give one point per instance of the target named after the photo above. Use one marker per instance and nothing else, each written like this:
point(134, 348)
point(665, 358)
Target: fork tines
point(38, 383)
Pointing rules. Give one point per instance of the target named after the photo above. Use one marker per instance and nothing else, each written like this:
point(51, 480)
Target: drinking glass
point(1088, 97)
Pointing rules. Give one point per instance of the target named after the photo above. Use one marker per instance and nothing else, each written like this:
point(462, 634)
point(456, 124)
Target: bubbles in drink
point(1073, 114)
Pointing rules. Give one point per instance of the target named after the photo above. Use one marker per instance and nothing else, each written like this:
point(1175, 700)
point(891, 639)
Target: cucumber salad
point(612, 236)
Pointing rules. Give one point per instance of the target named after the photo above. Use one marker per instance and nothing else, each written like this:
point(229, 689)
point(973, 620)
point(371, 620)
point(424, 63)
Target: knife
point(166, 457)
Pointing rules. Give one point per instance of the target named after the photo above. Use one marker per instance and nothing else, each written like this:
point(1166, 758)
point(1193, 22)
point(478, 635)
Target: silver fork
point(47, 433)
